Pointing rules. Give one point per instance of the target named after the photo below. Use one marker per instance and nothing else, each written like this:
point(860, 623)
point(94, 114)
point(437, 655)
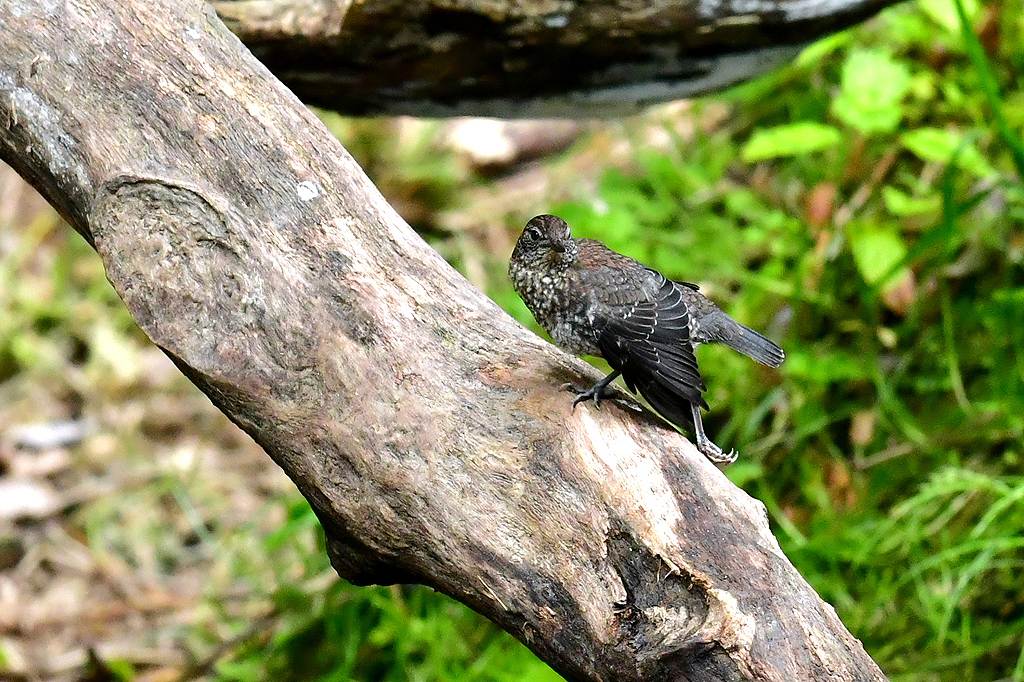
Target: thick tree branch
point(527, 57)
point(423, 424)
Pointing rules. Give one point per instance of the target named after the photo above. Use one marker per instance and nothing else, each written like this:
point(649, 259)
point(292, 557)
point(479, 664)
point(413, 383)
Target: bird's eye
point(532, 234)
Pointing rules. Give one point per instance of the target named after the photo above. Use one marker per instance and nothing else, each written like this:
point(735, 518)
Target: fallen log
point(532, 58)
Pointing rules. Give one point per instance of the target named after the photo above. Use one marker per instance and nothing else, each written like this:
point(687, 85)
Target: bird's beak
point(560, 248)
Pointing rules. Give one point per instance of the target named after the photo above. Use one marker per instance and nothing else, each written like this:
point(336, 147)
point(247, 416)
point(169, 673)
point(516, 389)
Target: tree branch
point(424, 425)
point(525, 58)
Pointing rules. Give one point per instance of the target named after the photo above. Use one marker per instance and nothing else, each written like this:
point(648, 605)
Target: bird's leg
point(595, 392)
point(704, 444)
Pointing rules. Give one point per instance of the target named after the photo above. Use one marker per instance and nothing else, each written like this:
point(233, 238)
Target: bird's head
point(546, 238)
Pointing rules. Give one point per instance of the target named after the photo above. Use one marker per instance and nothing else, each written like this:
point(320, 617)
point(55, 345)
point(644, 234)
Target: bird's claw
point(582, 395)
point(716, 455)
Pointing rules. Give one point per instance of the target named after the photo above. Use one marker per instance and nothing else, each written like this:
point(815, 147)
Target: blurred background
point(863, 206)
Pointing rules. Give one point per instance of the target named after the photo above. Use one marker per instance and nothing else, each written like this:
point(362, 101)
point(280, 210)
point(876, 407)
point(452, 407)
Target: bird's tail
point(753, 345)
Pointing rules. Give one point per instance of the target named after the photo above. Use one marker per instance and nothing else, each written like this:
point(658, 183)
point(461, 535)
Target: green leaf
point(939, 146)
point(121, 669)
point(820, 49)
point(877, 250)
point(943, 12)
point(923, 87)
point(792, 139)
point(249, 669)
point(902, 204)
point(873, 86)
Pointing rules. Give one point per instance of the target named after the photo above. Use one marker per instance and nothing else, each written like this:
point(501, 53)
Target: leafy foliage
point(872, 90)
point(791, 139)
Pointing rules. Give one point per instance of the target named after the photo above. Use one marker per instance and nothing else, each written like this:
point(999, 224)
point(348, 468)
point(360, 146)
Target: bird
point(595, 301)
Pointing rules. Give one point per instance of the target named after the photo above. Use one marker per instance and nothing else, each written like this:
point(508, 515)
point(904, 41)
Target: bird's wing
point(648, 340)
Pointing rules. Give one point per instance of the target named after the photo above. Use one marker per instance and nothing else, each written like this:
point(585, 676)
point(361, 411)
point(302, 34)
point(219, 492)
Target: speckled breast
point(549, 297)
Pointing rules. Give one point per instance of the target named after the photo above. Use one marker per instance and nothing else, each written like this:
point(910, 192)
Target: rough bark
point(425, 426)
point(510, 58)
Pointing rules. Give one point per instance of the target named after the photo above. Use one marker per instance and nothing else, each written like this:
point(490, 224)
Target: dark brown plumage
point(595, 301)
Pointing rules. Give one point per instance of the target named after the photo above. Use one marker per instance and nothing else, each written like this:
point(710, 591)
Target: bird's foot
point(595, 393)
point(715, 454)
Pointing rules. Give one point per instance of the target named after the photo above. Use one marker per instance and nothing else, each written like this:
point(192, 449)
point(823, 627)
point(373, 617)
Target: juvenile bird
point(595, 301)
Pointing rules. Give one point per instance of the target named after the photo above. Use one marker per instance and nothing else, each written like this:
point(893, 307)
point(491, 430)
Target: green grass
point(864, 206)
